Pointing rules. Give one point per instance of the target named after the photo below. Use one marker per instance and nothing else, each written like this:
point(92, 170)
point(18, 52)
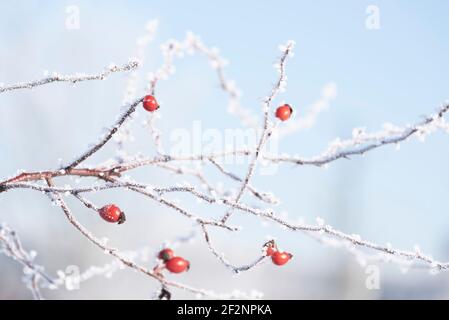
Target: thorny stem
point(270, 215)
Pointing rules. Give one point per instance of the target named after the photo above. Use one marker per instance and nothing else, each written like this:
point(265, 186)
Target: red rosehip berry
point(177, 265)
point(284, 112)
point(281, 258)
point(112, 213)
point(166, 254)
point(150, 104)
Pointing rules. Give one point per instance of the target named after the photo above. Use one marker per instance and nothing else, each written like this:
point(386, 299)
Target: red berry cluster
point(173, 263)
point(279, 258)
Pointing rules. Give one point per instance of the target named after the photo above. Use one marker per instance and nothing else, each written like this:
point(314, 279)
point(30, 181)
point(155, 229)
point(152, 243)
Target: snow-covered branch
point(363, 142)
point(266, 129)
point(34, 274)
point(75, 78)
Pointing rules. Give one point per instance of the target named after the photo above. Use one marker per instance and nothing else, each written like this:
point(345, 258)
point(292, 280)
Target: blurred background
point(394, 73)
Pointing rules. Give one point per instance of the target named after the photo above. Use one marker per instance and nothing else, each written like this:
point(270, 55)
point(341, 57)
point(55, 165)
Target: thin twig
point(11, 245)
point(266, 132)
point(97, 146)
point(220, 256)
point(79, 77)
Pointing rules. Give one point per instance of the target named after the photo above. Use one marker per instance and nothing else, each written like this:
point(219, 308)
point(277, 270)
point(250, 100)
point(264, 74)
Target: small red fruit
point(281, 258)
point(166, 254)
point(112, 213)
point(177, 265)
point(284, 112)
point(150, 104)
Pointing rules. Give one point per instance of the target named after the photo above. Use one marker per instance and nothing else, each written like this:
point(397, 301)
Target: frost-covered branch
point(264, 196)
point(107, 136)
point(57, 199)
point(363, 142)
point(322, 229)
point(221, 256)
point(266, 130)
point(268, 214)
point(132, 88)
point(11, 246)
point(75, 78)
